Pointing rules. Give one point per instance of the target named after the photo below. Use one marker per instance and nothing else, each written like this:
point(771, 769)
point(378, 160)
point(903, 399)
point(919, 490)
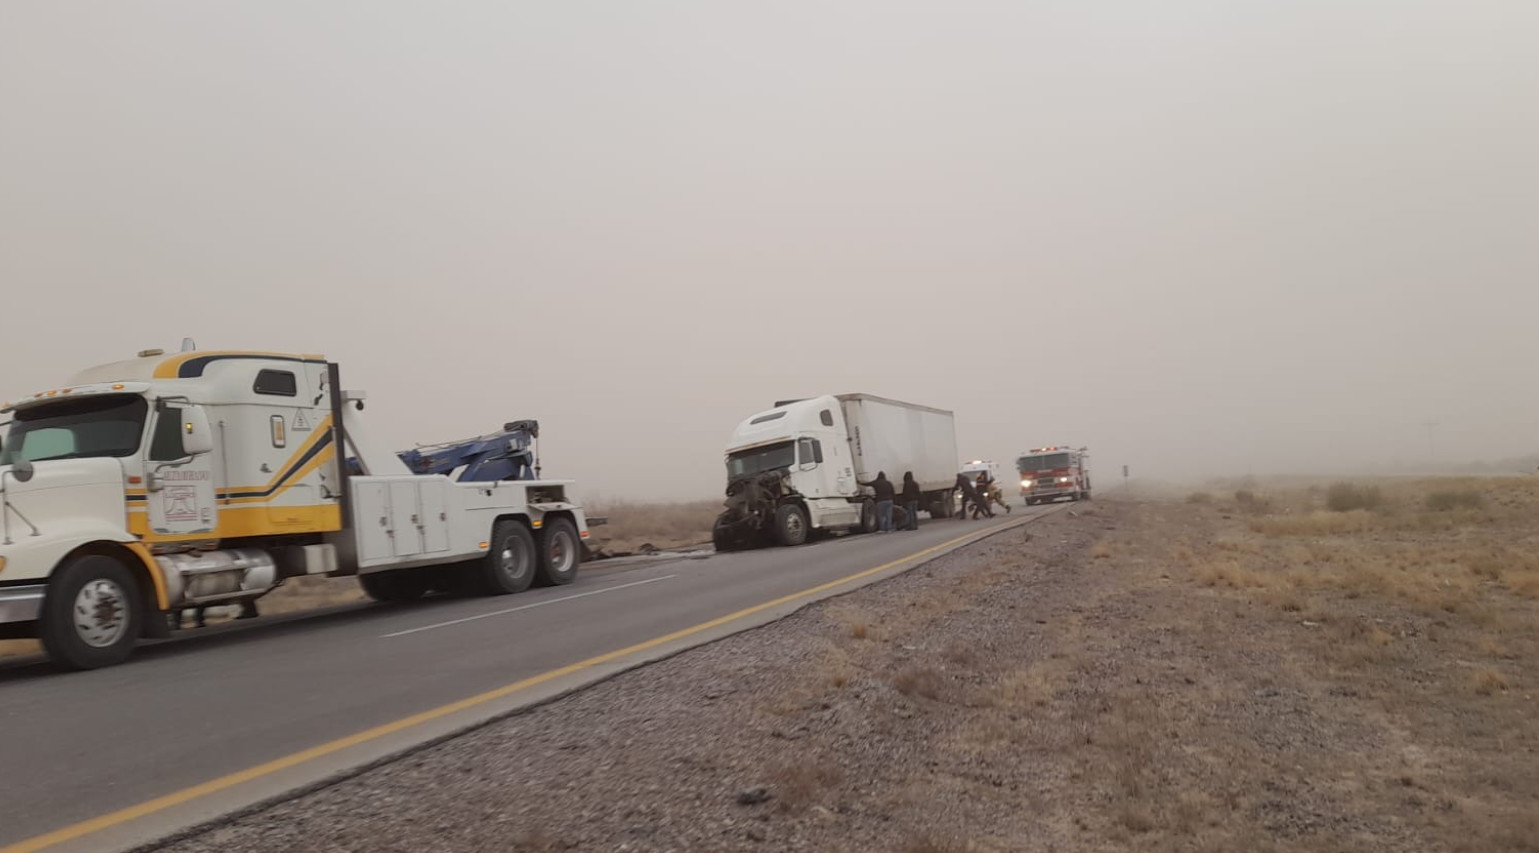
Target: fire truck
point(1050, 473)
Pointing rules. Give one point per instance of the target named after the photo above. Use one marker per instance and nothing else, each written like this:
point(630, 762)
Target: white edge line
point(526, 606)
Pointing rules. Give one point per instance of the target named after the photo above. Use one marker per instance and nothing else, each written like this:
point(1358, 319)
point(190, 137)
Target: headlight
point(1063, 479)
point(1025, 484)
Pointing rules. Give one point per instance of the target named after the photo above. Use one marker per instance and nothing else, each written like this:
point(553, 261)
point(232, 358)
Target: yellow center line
point(213, 786)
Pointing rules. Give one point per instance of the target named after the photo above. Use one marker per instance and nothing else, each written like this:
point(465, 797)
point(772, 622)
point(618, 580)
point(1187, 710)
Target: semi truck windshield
point(760, 459)
point(95, 426)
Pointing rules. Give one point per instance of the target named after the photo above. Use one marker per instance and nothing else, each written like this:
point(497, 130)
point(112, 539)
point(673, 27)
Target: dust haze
point(1199, 237)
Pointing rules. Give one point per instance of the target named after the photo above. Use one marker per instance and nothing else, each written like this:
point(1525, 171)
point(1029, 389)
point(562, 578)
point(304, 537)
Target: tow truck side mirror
point(197, 437)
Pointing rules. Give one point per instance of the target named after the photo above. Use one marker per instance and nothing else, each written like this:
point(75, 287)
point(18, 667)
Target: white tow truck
point(200, 478)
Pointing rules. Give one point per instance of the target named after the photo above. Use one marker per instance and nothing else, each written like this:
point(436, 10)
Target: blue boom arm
point(505, 455)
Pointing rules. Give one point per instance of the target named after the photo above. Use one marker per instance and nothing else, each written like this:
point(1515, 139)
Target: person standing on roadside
point(911, 500)
point(882, 490)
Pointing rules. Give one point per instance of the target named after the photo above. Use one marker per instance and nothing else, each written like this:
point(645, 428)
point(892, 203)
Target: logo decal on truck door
point(181, 503)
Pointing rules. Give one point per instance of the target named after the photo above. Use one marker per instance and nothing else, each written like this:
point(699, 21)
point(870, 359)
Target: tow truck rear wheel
point(559, 553)
point(91, 616)
point(398, 585)
point(790, 525)
point(509, 565)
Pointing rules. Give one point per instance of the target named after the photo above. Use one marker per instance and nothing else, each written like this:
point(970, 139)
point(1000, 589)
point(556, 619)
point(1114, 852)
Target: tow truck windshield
point(111, 425)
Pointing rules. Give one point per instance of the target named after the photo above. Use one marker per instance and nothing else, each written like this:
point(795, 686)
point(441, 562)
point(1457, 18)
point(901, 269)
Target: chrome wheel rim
point(794, 526)
point(512, 561)
point(101, 613)
point(561, 552)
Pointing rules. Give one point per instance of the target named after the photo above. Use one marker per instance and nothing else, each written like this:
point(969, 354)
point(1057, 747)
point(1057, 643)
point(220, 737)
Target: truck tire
point(867, 517)
point(790, 525)
point(509, 565)
point(943, 505)
point(721, 540)
point(91, 615)
point(560, 553)
point(399, 585)
point(1087, 494)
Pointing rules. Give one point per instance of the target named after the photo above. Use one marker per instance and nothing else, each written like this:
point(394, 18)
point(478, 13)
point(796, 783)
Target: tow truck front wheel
point(91, 616)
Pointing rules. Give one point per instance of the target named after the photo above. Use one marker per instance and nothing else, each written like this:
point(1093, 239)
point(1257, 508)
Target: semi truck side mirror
point(197, 437)
point(22, 470)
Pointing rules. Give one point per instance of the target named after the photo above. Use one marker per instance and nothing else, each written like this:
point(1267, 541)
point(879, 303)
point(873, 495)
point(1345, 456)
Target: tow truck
point(1058, 471)
point(169, 481)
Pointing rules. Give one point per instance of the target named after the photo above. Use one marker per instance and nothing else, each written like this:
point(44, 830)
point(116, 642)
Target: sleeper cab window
point(277, 383)
point(827, 417)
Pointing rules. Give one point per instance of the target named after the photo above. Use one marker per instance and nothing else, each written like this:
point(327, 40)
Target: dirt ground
point(1235, 672)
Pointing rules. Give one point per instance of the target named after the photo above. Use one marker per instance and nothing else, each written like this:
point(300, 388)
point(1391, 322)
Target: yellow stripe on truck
point(249, 521)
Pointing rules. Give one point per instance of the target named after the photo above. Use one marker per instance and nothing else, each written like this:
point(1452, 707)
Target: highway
point(219, 719)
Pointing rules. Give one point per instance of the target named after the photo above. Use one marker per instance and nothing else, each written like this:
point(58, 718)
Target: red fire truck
point(1050, 473)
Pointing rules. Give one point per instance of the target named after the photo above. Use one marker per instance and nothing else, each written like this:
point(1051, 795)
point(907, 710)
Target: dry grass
point(1448, 501)
point(1035, 686)
point(311, 593)
point(1346, 497)
point(660, 525)
point(1487, 681)
point(804, 783)
point(932, 843)
point(920, 681)
point(1404, 587)
point(1101, 551)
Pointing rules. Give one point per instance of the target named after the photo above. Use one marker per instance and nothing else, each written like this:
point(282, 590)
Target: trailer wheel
point(560, 553)
point(510, 564)
point(398, 585)
point(944, 504)
point(91, 616)
point(790, 525)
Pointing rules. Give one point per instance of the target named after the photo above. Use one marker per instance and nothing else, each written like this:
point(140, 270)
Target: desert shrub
point(1345, 497)
point(1451, 500)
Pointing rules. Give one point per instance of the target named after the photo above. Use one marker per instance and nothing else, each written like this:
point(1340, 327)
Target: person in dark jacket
point(970, 495)
point(911, 500)
point(882, 489)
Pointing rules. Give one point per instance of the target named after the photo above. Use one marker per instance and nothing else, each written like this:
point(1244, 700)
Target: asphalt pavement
point(219, 719)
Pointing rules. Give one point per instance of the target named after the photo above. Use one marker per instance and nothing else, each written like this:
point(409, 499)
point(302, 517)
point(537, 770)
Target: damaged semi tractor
point(804, 466)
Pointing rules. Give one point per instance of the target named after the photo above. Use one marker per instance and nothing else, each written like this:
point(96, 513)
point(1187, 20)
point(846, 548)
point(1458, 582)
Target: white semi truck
point(803, 466)
point(201, 478)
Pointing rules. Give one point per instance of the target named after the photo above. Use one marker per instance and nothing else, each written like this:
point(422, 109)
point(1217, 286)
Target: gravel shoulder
point(1079, 684)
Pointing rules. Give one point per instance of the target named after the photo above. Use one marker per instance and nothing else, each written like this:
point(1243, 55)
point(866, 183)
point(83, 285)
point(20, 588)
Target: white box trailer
point(804, 465)
point(891, 436)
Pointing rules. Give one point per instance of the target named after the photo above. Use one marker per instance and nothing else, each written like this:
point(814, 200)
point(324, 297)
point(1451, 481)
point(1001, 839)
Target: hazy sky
point(1200, 237)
